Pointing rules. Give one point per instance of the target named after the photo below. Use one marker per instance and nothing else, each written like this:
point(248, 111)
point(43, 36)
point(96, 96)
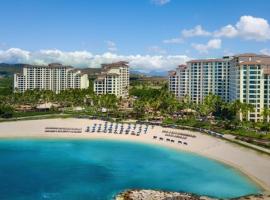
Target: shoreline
point(144, 194)
point(203, 145)
point(238, 169)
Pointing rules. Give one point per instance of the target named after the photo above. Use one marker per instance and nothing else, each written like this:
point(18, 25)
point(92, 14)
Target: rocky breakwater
point(157, 195)
point(165, 195)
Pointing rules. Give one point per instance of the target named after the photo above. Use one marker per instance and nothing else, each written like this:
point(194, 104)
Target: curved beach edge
point(250, 163)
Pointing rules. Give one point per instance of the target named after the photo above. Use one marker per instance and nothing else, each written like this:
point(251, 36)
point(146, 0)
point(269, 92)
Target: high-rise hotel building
point(54, 77)
point(177, 81)
point(113, 79)
point(208, 76)
point(200, 77)
point(245, 77)
point(173, 82)
point(250, 82)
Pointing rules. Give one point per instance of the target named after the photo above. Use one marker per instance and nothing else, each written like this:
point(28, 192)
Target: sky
point(153, 35)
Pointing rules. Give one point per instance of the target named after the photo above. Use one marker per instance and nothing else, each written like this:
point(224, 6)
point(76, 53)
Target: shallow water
point(67, 169)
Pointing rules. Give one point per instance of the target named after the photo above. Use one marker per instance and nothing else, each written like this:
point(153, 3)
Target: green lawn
point(28, 114)
point(241, 131)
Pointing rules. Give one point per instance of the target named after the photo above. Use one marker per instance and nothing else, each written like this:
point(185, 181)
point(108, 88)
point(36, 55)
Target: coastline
point(140, 194)
point(248, 162)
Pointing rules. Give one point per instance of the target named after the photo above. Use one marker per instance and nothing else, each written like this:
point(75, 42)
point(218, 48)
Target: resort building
point(173, 83)
point(113, 79)
point(250, 83)
point(183, 74)
point(208, 76)
point(178, 81)
point(55, 77)
point(199, 78)
point(245, 77)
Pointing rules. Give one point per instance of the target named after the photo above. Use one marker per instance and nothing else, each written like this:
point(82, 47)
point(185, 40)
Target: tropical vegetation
point(146, 103)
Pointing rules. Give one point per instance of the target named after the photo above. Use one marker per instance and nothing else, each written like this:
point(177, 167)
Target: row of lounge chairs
point(176, 136)
point(215, 134)
point(169, 140)
point(62, 130)
point(179, 133)
point(118, 128)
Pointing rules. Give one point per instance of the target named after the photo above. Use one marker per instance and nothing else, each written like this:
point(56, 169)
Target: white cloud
point(248, 27)
point(196, 31)
point(265, 51)
point(156, 50)
point(226, 31)
point(253, 28)
point(211, 44)
point(15, 55)
point(173, 41)
point(186, 33)
point(143, 63)
point(160, 2)
point(156, 63)
point(111, 46)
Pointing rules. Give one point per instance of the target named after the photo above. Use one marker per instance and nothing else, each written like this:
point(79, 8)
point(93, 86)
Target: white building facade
point(250, 83)
point(173, 82)
point(178, 81)
point(113, 79)
point(199, 78)
point(54, 77)
point(245, 77)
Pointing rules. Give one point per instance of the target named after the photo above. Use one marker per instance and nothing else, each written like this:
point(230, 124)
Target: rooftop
point(250, 63)
point(207, 60)
point(113, 65)
point(107, 66)
point(172, 73)
point(251, 55)
point(182, 66)
point(51, 65)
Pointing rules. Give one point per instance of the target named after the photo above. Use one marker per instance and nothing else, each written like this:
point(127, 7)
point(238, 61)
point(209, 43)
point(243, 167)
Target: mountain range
point(9, 69)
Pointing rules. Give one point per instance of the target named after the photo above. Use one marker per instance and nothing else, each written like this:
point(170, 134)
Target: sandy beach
point(253, 164)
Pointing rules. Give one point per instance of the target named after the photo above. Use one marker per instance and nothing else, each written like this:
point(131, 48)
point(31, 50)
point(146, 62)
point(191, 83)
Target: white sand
point(253, 164)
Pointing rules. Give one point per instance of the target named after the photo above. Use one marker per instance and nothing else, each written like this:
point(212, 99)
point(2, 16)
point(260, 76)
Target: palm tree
point(173, 105)
point(139, 108)
point(266, 114)
point(241, 109)
point(210, 105)
point(235, 107)
point(155, 105)
point(246, 109)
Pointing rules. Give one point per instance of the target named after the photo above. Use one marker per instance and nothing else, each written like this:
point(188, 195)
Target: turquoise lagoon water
point(64, 170)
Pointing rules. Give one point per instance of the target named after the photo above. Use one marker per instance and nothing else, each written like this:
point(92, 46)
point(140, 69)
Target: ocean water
point(93, 170)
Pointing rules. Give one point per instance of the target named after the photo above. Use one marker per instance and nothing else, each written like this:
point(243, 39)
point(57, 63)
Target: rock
point(166, 195)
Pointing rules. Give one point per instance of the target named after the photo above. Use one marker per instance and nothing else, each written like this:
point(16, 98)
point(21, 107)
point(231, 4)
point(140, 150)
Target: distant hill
point(9, 69)
point(91, 72)
point(150, 73)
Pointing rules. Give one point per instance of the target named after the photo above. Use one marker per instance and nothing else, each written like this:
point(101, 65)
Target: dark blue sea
point(93, 170)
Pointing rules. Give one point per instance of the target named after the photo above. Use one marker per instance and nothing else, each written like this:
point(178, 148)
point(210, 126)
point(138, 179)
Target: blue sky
point(151, 34)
